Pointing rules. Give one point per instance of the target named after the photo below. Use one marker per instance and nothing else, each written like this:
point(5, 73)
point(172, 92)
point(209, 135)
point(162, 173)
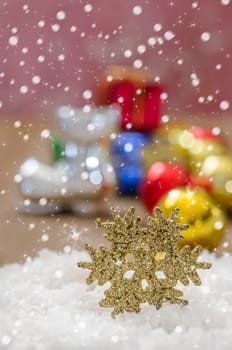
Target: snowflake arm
point(122, 231)
point(183, 267)
point(124, 295)
point(157, 294)
point(163, 233)
point(187, 258)
point(102, 265)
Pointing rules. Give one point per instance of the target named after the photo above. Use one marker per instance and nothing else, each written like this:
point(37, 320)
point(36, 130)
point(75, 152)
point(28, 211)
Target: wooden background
point(22, 235)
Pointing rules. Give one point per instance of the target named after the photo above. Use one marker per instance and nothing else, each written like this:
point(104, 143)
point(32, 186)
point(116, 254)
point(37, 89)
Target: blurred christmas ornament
point(165, 147)
point(219, 170)
point(82, 179)
point(58, 147)
point(199, 148)
point(200, 181)
point(126, 158)
point(204, 133)
point(136, 258)
point(160, 178)
point(138, 97)
point(183, 145)
point(197, 209)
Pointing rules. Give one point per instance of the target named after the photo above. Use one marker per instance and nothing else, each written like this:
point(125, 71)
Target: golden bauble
point(199, 210)
point(219, 171)
point(180, 144)
point(201, 149)
point(165, 147)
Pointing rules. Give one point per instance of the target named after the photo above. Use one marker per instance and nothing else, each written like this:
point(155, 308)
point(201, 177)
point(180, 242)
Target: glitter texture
point(151, 256)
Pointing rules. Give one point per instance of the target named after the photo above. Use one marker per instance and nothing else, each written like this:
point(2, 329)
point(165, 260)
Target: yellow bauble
point(177, 143)
point(219, 171)
point(165, 147)
point(201, 149)
point(197, 209)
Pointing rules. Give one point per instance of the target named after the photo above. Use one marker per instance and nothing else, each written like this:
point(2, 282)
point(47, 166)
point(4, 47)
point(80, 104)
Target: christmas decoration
point(125, 152)
point(160, 178)
point(218, 168)
point(139, 99)
point(58, 148)
point(165, 147)
point(183, 145)
point(204, 133)
point(84, 175)
point(199, 210)
point(137, 257)
point(202, 148)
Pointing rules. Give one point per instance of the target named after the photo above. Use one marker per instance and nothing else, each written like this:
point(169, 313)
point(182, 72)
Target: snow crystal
point(165, 118)
point(151, 41)
point(127, 53)
point(60, 15)
point(137, 10)
point(169, 35)
point(218, 66)
point(26, 137)
point(73, 29)
point(26, 8)
point(17, 124)
point(210, 98)
point(225, 2)
point(88, 8)
point(39, 41)
point(36, 79)
point(41, 58)
point(41, 24)
point(138, 64)
point(164, 96)
point(18, 178)
point(43, 201)
point(25, 50)
point(205, 36)
point(180, 61)
point(61, 57)
point(45, 133)
point(157, 27)
point(141, 49)
point(224, 105)
point(87, 94)
point(23, 89)
point(195, 4)
point(45, 237)
point(14, 30)
point(13, 40)
point(26, 202)
point(55, 27)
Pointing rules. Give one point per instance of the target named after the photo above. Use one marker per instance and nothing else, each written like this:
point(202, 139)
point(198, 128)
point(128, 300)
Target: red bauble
point(200, 181)
point(205, 134)
point(160, 178)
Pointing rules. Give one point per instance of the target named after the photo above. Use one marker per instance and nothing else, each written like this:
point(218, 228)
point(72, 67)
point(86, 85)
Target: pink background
point(91, 40)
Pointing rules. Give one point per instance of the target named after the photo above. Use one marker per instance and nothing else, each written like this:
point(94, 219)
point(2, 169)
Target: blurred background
point(54, 52)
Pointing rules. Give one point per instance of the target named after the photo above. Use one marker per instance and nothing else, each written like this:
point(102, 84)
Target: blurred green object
point(58, 147)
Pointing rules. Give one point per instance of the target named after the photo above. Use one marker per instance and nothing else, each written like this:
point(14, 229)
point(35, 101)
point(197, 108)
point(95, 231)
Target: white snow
point(45, 304)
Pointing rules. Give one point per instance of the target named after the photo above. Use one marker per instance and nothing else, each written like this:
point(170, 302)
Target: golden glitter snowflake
point(143, 264)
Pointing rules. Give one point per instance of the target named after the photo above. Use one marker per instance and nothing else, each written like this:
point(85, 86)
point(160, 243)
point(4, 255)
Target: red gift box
point(140, 106)
point(138, 97)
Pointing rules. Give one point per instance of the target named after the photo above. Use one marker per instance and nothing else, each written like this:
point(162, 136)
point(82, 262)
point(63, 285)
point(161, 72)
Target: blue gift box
point(126, 158)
